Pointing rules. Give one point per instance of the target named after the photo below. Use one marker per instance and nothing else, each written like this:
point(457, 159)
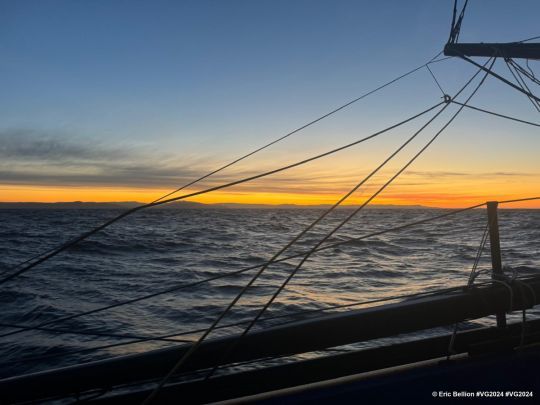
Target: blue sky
point(186, 85)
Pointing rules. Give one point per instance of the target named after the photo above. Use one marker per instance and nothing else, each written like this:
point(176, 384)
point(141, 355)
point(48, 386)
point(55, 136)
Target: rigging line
point(522, 84)
point(436, 81)
point(240, 323)
point(529, 39)
point(508, 82)
point(86, 332)
point(519, 200)
point(529, 74)
point(497, 114)
point(347, 219)
point(473, 273)
point(440, 60)
point(531, 71)
point(195, 346)
point(133, 210)
point(237, 272)
point(65, 246)
point(30, 259)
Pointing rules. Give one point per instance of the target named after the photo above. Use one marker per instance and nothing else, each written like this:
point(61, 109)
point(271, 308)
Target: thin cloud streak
point(32, 158)
point(449, 174)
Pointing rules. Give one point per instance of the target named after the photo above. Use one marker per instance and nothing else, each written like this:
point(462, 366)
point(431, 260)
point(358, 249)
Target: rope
point(67, 245)
point(523, 85)
point(529, 74)
point(237, 272)
point(436, 81)
point(483, 241)
point(497, 114)
point(507, 282)
point(194, 347)
point(440, 60)
point(519, 200)
point(530, 39)
point(84, 332)
point(520, 70)
point(499, 77)
point(54, 251)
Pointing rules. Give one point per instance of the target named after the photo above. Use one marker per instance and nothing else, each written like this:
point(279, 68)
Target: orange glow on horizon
point(414, 197)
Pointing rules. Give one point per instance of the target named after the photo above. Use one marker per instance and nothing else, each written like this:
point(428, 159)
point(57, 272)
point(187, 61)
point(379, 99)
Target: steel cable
point(497, 114)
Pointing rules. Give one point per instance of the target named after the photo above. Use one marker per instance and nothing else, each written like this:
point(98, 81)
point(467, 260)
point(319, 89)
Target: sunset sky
point(127, 100)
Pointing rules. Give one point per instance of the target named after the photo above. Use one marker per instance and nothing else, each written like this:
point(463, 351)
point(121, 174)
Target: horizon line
point(201, 204)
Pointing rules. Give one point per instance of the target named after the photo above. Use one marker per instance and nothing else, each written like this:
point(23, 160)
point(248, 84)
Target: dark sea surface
point(155, 249)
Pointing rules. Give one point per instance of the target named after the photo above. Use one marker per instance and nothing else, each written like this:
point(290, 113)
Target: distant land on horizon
point(195, 205)
point(179, 205)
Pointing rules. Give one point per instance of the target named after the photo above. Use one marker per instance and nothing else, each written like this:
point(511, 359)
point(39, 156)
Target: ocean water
point(156, 249)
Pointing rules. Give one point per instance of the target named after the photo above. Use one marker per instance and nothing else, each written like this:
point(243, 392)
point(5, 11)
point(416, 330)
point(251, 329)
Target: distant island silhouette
point(179, 205)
